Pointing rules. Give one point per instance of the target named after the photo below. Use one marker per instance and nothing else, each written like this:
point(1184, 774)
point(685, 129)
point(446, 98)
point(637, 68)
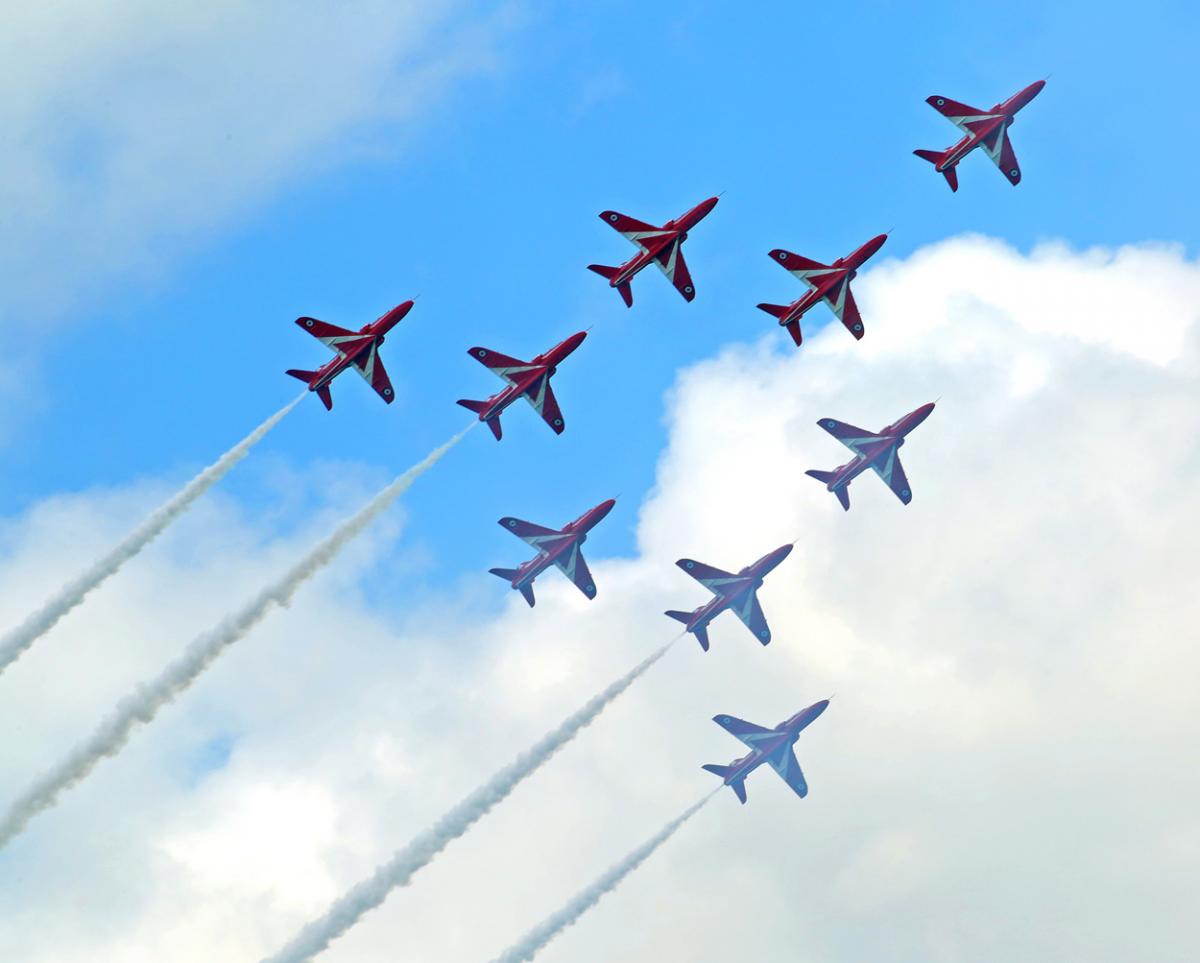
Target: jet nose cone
point(573, 342)
point(876, 243)
point(704, 208)
point(781, 553)
point(604, 508)
point(389, 320)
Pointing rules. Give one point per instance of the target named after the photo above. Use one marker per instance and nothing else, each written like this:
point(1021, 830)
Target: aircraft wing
point(892, 472)
point(541, 396)
point(670, 261)
point(500, 364)
point(573, 566)
point(750, 734)
point(856, 439)
point(999, 148)
point(635, 231)
point(966, 118)
point(751, 614)
point(803, 269)
point(338, 339)
point(709, 576)
point(371, 368)
point(783, 761)
point(841, 300)
point(543, 539)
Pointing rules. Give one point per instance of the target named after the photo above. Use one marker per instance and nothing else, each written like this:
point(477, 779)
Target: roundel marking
point(724, 718)
point(857, 326)
point(612, 217)
point(941, 101)
point(481, 353)
point(387, 391)
point(308, 322)
point(691, 564)
point(1014, 173)
point(687, 289)
point(830, 422)
point(906, 493)
point(512, 523)
point(591, 590)
point(783, 255)
point(764, 633)
point(557, 422)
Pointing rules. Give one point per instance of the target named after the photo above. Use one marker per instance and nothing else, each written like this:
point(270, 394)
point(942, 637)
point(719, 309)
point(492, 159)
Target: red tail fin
point(936, 157)
point(326, 397)
point(774, 310)
point(305, 376)
point(609, 273)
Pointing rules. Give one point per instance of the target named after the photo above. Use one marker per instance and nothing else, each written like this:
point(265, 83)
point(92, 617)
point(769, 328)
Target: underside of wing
point(750, 612)
point(856, 439)
point(574, 567)
point(892, 472)
point(637, 232)
point(811, 272)
point(501, 364)
point(371, 368)
point(999, 148)
point(543, 539)
point(783, 761)
point(338, 339)
point(847, 311)
point(670, 261)
point(541, 396)
point(966, 118)
point(749, 733)
point(709, 576)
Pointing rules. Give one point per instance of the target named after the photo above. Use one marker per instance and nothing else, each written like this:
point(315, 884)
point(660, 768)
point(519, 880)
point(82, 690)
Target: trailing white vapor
point(142, 705)
point(344, 912)
point(16, 641)
point(532, 942)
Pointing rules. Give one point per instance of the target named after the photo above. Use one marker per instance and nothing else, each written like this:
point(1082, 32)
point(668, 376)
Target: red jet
point(526, 379)
point(738, 593)
point(827, 282)
point(660, 246)
point(986, 128)
point(355, 349)
point(559, 548)
point(875, 450)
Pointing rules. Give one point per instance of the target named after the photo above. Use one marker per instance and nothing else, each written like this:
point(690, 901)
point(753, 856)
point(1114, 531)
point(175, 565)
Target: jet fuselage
point(891, 439)
point(676, 228)
point(787, 732)
point(577, 532)
point(372, 337)
point(844, 269)
point(545, 364)
point(1004, 113)
point(750, 579)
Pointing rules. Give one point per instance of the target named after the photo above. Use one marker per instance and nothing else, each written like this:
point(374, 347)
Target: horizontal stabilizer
point(494, 424)
point(843, 495)
point(793, 328)
point(508, 574)
point(738, 785)
point(716, 770)
point(824, 477)
point(701, 633)
point(326, 397)
point(305, 376)
point(527, 591)
point(683, 617)
point(476, 406)
point(626, 293)
point(933, 156)
point(604, 270)
point(936, 157)
point(775, 310)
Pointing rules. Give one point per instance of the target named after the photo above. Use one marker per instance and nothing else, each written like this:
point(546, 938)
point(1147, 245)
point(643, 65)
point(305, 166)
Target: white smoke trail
point(17, 640)
point(532, 942)
point(142, 705)
point(399, 870)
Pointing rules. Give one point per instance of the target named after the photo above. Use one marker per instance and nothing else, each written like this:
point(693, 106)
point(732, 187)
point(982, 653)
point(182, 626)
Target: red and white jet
point(354, 349)
point(526, 379)
point(559, 548)
point(827, 282)
point(981, 128)
point(660, 246)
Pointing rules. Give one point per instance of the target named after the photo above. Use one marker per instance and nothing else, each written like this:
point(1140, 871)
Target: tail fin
point(479, 407)
point(510, 574)
point(936, 157)
point(701, 633)
point(793, 328)
point(305, 376)
point(843, 495)
point(774, 310)
point(738, 785)
point(683, 617)
point(824, 477)
point(609, 273)
point(326, 397)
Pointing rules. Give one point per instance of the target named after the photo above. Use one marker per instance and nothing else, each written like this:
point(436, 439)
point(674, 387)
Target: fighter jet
point(876, 451)
point(526, 379)
point(561, 548)
point(738, 593)
point(981, 128)
point(660, 246)
point(357, 350)
point(828, 282)
point(772, 746)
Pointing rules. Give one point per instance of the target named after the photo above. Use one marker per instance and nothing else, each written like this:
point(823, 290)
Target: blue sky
point(485, 205)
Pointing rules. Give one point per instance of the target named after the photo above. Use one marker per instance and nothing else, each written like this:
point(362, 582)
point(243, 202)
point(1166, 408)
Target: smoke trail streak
point(16, 641)
point(344, 912)
point(532, 942)
point(142, 705)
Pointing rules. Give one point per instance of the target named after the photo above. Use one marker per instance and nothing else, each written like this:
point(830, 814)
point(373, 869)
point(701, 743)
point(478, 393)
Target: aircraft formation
point(662, 246)
point(561, 548)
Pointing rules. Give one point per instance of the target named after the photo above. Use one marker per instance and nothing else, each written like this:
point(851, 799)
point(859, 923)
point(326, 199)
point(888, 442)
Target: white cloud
point(1004, 772)
point(134, 129)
